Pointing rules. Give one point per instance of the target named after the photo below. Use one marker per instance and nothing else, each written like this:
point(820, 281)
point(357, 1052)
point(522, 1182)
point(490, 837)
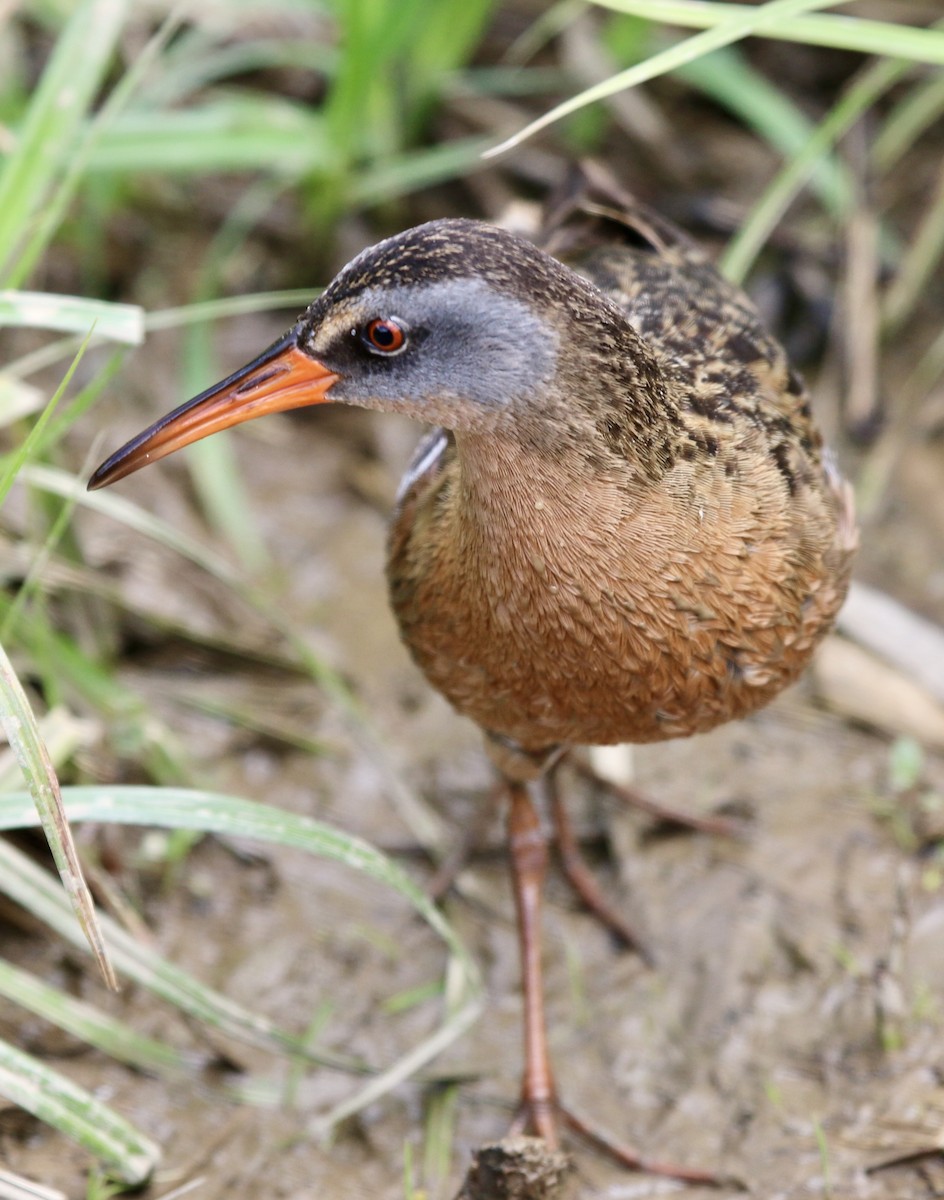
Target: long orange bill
point(281, 378)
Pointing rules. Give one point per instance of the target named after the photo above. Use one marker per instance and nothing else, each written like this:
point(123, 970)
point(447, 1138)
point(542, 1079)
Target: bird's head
point(455, 323)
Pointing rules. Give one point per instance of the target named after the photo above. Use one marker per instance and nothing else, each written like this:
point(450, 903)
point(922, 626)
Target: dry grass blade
point(920, 265)
point(911, 642)
point(853, 682)
point(864, 91)
point(23, 734)
point(860, 318)
point(465, 1009)
point(15, 1187)
point(61, 483)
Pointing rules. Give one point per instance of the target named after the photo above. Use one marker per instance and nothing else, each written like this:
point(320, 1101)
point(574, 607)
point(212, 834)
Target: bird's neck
point(516, 501)
point(550, 475)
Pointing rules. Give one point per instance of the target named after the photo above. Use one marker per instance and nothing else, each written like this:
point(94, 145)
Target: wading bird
point(626, 528)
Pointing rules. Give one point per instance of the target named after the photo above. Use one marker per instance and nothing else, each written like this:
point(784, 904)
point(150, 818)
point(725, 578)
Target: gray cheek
point(501, 349)
point(507, 362)
point(481, 347)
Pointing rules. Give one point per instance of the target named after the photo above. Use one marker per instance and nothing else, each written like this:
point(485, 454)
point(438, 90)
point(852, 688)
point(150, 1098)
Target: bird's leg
point(528, 847)
point(512, 762)
point(539, 1104)
point(580, 877)
point(717, 826)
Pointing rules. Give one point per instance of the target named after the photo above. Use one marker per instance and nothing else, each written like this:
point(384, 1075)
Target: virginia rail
point(627, 528)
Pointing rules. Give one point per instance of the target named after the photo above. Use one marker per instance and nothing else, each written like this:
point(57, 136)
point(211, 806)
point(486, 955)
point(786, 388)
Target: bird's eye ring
point(385, 335)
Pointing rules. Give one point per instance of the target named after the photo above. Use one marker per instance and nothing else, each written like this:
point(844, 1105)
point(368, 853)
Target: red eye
point(385, 335)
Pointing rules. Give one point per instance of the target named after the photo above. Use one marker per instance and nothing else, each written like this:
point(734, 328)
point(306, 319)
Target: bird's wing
point(705, 329)
point(429, 458)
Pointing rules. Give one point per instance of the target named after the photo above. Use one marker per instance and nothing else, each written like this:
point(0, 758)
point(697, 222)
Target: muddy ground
point(791, 1033)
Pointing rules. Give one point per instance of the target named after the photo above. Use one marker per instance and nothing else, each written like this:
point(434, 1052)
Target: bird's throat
point(522, 514)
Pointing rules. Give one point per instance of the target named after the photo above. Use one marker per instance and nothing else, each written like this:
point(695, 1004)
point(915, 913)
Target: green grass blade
point(231, 816)
point(15, 462)
point(731, 81)
point(23, 734)
point(75, 159)
point(439, 1135)
point(196, 61)
point(744, 21)
point(824, 29)
point(136, 518)
point(40, 558)
point(73, 314)
point(294, 300)
point(442, 38)
point(87, 1023)
point(418, 169)
point(227, 133)
point(80, 403)
point(66, 91)
point(63, 484)
point(37, 892)
point(508, 81)
point(745, 246)
point(212, 462)
point(918, 111)
point(78, 1114)
point(218, 482)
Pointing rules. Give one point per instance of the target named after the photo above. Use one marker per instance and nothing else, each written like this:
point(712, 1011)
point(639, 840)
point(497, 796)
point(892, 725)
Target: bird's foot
point(540, 1118)
point(714, 825)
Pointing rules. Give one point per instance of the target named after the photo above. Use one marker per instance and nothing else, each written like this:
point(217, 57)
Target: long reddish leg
point(539, 1105)
point(717, 826)
point(581, 879)
point(528, 847)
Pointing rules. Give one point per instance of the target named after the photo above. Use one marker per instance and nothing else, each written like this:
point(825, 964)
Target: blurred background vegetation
point(171, 173)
